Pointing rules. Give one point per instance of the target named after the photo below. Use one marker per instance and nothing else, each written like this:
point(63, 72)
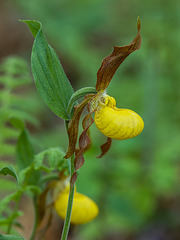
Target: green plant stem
point(35, 219)
point(15, 210)
point(69, 207)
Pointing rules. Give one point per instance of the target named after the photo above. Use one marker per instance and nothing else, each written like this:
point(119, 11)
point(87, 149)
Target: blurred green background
point(136, 185)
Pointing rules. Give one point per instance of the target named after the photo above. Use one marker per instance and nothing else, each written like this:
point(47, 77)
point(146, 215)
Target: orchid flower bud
point(84, 209)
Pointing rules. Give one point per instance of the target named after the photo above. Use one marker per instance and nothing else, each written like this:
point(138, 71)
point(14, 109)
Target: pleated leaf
point(50, 79)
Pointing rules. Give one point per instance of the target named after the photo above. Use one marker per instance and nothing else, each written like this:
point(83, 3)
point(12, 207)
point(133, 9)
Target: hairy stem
point(69, 207)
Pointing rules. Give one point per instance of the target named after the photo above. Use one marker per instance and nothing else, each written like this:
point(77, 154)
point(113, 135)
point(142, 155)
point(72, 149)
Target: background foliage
point(137, 184)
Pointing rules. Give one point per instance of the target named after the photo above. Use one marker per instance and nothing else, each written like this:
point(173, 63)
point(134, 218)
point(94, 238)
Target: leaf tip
point(33, 25)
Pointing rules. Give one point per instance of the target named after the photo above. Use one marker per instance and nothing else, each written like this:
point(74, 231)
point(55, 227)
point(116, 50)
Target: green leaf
point(50, 79)
point(9, 170)
point(25, 172)
point(4, 221)
point(25, 155)
point(10, 237)
point(17, 122)
point(6, 185)
point(20, 114)
point(50, 160)
point(8, 220)
point(33, 189)
point(25, 152)
point(6, 200)
point(51, 157)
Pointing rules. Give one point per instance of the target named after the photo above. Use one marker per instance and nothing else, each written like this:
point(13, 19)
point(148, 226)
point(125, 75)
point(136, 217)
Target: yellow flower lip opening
point(84, 209)
point(117, 123)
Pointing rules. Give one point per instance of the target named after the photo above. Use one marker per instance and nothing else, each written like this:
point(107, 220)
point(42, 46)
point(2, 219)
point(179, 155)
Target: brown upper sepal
point(111, 63)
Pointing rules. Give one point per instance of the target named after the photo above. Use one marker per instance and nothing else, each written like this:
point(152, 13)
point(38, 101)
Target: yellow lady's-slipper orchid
point(84, 209)
point(113, 122)
point(117, 123)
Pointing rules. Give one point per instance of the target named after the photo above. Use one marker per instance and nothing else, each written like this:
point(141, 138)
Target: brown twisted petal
point(84, 142)
point(74, 125)
point(111, 63)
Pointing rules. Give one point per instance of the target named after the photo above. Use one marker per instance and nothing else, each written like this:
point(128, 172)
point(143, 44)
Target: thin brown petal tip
point(105, 147)
point(138, 24)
